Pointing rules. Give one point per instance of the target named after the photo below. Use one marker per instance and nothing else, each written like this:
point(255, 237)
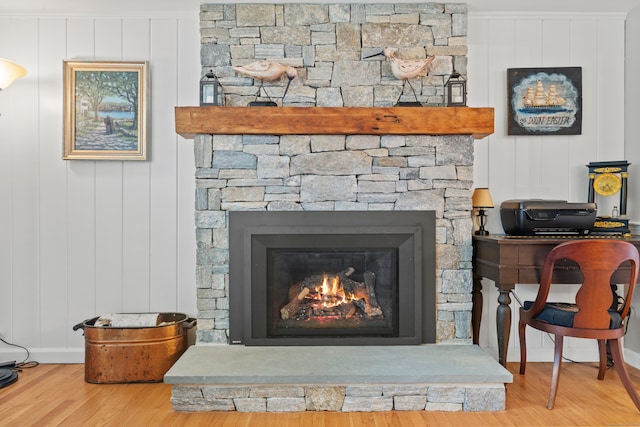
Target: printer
point(547, 217)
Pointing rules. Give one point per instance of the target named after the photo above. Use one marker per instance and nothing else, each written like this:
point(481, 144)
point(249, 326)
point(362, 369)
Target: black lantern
point(210, 90)
point(456, 90)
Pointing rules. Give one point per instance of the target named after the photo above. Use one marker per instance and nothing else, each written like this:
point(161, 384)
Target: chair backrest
point(598, 260)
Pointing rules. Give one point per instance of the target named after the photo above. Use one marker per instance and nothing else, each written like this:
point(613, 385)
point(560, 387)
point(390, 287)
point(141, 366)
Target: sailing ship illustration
point(538, 98)
point(545, 101)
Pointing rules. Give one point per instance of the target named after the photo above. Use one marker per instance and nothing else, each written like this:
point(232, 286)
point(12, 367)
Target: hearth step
point(432, 377)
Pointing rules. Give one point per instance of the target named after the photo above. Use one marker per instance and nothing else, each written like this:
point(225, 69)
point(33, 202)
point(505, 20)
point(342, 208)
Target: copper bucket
point(133, 354)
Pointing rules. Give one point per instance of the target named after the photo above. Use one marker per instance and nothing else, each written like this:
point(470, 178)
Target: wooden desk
point(508, 260)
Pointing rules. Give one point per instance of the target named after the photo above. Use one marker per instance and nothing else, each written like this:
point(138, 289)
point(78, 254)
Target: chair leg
point(621, 368)
point(557, 363)
point(602, 348)
point(523, 346)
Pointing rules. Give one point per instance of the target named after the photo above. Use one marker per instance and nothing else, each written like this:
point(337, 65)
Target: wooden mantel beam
point(334, 121)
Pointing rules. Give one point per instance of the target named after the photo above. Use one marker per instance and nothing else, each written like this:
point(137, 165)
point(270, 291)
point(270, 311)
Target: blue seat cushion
point(562, 313)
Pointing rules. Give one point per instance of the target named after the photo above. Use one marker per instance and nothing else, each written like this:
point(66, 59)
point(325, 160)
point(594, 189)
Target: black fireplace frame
point(250, 232)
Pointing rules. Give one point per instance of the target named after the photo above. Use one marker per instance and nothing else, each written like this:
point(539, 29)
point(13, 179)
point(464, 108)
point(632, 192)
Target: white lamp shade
point(10, 71)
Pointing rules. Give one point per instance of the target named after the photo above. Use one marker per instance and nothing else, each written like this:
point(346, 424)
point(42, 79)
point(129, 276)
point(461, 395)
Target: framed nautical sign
point(545, 101)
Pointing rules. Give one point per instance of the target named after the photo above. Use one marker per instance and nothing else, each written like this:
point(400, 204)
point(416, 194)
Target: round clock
point(607, 184)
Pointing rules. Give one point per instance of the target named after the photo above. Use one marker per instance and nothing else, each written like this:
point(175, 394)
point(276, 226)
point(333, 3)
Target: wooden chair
point(592, 316)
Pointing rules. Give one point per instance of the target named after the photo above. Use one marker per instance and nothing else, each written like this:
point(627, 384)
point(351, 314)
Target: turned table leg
point(503, 321)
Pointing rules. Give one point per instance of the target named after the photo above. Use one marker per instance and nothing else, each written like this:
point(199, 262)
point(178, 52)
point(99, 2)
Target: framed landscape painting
point(545, 101)
point(105, 110)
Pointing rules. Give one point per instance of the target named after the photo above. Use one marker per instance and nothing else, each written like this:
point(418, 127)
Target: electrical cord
point(19, 366)
point(516, 297)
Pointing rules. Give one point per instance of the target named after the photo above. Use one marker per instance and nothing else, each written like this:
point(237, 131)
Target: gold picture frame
point(105, 110)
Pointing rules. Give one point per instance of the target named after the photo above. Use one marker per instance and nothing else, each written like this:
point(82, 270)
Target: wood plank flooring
point(57, 395)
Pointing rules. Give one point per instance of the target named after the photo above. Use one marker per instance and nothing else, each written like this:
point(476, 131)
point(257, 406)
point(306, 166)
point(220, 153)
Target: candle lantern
point(456, 90)
point(211, 90)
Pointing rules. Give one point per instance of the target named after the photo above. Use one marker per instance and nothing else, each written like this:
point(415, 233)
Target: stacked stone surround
point(327, 45)
point(320, 172)
point(334, 172)
point(358, 398)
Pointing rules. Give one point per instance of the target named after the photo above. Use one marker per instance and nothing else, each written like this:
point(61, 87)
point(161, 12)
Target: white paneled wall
point(545, 167)
point(548, 166)
point(79, 238)
point(632, 150)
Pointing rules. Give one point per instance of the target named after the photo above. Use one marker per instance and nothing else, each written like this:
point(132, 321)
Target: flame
point(332, 294)
point(325, 299)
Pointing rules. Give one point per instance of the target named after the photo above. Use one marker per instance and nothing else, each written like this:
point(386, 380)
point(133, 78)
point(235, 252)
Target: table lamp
point(481, 200)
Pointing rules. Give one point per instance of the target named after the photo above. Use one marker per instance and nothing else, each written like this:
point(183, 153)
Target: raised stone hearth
point(340, 379)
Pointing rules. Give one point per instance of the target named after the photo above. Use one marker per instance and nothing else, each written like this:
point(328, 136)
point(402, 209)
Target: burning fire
point(331, 295)
point(323, 297)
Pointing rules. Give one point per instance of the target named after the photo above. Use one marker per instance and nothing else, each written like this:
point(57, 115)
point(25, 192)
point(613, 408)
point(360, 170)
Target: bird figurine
point(267, 71)
point(405, 69)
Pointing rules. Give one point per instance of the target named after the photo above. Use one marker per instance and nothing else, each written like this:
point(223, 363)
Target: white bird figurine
point(405, 69)
point(267, 71)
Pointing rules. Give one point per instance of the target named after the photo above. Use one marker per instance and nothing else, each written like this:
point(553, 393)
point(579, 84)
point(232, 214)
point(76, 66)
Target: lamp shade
point(481, 198)
point(10, 71)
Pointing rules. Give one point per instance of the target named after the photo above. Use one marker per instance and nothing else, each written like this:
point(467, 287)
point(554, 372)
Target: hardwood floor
point(57, 395)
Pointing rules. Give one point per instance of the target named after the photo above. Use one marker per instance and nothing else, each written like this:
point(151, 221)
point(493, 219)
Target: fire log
point(291, 308)
point(352, 310)
point(370, 284)
point(366, 292)
point(310, 282)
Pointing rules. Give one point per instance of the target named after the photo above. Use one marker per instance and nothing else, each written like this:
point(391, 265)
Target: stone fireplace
point(363, 173)
point(282, 170)
point(336, 148)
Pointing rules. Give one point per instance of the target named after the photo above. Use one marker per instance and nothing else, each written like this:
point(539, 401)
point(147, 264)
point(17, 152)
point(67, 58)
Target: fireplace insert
point(332, 278)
